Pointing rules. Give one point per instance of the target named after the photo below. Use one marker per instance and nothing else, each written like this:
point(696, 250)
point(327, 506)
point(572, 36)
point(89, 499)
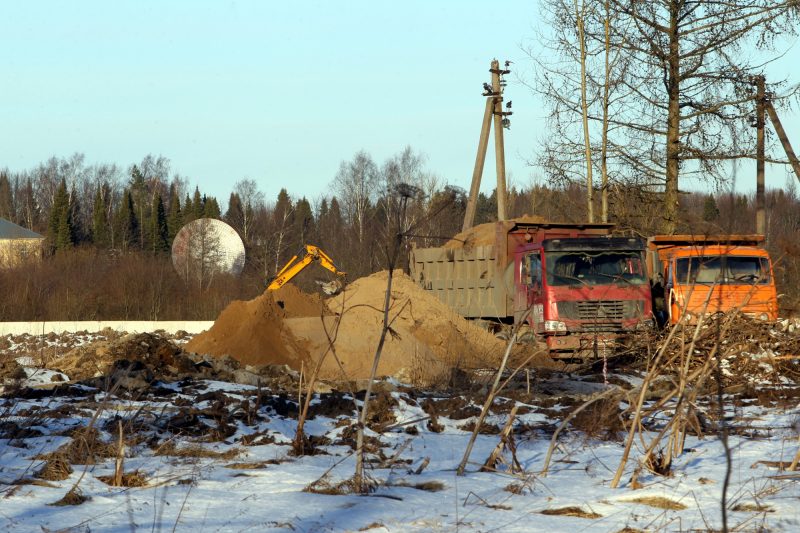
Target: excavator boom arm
point(294, 267)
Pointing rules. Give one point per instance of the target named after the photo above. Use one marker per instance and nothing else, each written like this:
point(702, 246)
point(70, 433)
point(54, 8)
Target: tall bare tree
point(251, 199)
point(681, 92)
point(356, 185)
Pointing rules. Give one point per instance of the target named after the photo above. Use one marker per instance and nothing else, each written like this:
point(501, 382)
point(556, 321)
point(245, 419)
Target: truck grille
point(600, 310)
point(601, 327)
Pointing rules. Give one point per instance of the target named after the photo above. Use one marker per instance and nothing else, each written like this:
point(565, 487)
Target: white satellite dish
point(206, 247)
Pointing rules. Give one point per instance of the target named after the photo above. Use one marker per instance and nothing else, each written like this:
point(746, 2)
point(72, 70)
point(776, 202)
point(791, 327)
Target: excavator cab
point(296, 264)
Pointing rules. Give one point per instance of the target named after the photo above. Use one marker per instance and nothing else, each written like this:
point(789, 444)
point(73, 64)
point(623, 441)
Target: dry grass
point(516, 488)
point(73, 497)
point(195, 451)
point(752, 508)
point(55, 468)
point(86, 447)
point(252, 466)
point(131, 479)
point(324, 486)
point(659, 502)
point(571, 511)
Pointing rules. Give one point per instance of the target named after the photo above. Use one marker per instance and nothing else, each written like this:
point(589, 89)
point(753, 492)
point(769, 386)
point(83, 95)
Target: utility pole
point(787, 147)
point(494, 108)
point(764, 103)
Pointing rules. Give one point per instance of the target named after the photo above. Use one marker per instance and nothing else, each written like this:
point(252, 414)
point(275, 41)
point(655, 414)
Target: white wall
point(130, 326)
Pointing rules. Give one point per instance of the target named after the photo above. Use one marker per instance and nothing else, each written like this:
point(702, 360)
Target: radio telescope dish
point(206, 247)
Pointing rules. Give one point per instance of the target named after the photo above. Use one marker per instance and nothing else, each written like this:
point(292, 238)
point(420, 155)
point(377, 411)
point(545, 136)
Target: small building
point(18, 245)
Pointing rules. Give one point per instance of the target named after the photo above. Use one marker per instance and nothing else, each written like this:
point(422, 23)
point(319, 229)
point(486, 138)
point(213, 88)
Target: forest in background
point(109, 230)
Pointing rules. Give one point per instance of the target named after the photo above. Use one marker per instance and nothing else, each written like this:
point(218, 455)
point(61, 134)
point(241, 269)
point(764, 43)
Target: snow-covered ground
point(260, 486)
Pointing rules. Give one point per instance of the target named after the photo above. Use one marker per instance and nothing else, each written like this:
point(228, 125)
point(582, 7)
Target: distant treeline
point(109, 230)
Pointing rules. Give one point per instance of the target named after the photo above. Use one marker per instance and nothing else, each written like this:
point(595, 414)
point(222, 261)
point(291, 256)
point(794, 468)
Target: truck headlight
point(645, 325)
point(763, 316)
point(554, 325)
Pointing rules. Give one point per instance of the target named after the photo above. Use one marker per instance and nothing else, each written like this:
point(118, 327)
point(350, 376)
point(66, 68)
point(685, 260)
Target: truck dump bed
point(473, 272)
point(463, 278)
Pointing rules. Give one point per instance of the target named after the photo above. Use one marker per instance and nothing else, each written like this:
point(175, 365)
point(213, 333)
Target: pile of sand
point(427, 340)
point(484, 234)
point(287, 327)
point(255, 332)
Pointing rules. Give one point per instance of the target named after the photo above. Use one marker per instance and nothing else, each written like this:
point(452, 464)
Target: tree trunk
point(604, 146)
point(670, 223)
point(585, 109)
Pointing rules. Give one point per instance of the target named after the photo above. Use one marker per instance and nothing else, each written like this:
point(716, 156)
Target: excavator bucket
point(330, 287)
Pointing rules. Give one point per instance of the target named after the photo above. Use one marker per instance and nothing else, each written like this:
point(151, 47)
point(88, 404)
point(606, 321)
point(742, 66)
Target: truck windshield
point(718, 269)
point(595, 268)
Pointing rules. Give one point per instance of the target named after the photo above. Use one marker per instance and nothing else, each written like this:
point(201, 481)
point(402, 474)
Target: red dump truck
point(585, 288)
point(694, 274)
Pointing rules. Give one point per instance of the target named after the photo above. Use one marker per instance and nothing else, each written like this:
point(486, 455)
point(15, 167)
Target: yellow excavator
point(296, 265)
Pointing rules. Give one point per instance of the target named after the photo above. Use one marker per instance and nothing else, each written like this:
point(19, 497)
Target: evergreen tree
point(126, 222)
point(710, 209)
point(284, 210)
point(322, 221)
point(7, 208)
point(486, 208)
point(188, 209)
point(58, 210)
point(100, 233)
point(330, 226)
point(78, 231)
point(175, 217)
point(158, 232)
point(234, 215)
point(211, 207)
point(65, 233)
point(198, 206)
point(303, 223)
point(323, 209)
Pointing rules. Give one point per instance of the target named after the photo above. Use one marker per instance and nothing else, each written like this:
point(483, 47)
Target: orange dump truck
point(693, 274)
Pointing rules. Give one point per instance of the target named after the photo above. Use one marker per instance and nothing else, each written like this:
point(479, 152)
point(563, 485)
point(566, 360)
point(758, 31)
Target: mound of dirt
point(136, 361)
point(254, 332)
point(101, 358)
point(427, 339)
point(484, 234)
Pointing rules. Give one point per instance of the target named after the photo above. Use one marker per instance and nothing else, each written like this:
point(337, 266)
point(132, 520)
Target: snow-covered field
point(206, 455)
point(256, 484)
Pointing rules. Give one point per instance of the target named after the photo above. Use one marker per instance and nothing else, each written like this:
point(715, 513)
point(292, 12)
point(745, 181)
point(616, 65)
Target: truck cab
point(711, 274)
point(584, 293)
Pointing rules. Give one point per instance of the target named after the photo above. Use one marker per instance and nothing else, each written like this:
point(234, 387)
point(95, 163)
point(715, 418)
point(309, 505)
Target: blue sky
point(279, 92)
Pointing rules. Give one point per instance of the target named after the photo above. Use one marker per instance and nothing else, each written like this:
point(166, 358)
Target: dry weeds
point(571, 511)
point(752, 508)
point(73, 497)
point(131, 479)
point(195, 451)
point(55, 468)
point(658, 501)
